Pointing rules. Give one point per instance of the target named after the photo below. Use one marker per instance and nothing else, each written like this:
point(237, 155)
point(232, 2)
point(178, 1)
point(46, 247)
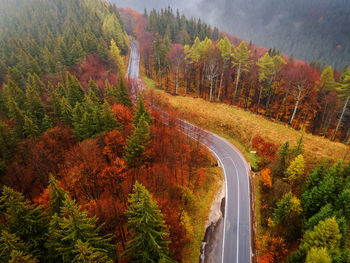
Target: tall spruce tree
point(24, 220)
point(73, 228)
point(141, 111)
point(146, 226)
point(123, 96)
point(136, 143)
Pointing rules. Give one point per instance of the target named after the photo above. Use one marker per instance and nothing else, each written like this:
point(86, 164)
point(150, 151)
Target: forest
point(303, 212)
point(187, 57)
point(89, 173)
point(86, 173)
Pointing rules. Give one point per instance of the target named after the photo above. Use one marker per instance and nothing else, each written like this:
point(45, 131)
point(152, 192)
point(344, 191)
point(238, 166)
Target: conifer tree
point(13, 249)
point(112, 29)
point(33, 105)
point(74, 91)
point(141, 111)
point(93, 91)
point(30, 129)
point(3, 70)
point(20, 257)
point(17, 115)
point(67, 232)
point(136, 143)
point(46, 123)
point(57, 196)
point(148, 234)
point(66, 112)
point(87, 254)
point(12, 91)
point(283, 156)
point(8, 141)
point(327, 79)
point(117, 58)
point(24, 220)
point(123, 96)
point(107, 118)
point(16, 76)
point(77, 52)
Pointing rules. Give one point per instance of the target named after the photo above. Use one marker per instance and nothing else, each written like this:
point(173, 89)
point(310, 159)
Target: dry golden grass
point(239, 125)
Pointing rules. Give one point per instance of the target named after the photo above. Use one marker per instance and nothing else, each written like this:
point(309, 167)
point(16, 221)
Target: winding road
point(236, 240)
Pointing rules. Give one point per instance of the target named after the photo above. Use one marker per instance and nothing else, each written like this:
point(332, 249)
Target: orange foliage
point(266, 177)
point(125, 117)
point(114, 145)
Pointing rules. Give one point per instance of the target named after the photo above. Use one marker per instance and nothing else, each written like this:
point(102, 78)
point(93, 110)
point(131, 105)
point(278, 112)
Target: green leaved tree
point(325, 234)
point(344, 92)
point(318, 255)
point(243, 61)
point(225, 48)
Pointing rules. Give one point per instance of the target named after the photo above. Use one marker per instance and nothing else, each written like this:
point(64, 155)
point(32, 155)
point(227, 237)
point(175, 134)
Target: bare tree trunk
point(221, 78)
point(341, 117)
point(211, 88)
point(237, 80)
point(260, 92)
point(294, 111)
point(177, 80)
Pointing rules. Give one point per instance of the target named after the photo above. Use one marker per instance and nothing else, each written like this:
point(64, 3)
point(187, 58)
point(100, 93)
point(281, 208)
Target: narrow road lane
point(236, 240)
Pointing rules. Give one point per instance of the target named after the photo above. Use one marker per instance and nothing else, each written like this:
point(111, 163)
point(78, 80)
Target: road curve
point(236, 246)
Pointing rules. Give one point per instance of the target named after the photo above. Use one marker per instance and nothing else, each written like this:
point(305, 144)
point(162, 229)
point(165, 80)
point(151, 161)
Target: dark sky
point(306, 28)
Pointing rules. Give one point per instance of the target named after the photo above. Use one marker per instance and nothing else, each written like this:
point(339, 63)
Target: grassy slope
point(240, 127)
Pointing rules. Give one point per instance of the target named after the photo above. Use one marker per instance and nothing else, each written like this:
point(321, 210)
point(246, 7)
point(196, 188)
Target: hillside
point(311, 29)
point(79, 162)
point(241, 126)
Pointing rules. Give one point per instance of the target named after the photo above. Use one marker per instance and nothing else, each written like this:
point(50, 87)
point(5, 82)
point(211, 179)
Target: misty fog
point(307, 29)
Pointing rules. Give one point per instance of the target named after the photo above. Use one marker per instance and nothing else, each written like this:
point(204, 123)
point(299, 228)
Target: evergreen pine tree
point(123, 96)
point(74, 91)
point(66, 112)
point(24, 220)
point(67, 232)
point(284, 157)
point(141, 111)
point(146, 226)
point(3, 70)
point(8, 141)
point(57, 196)
point(107, 118)
point(136, 143)
point(93, 91)
point(30, 129)
point(46, 123)
point(16, 114)
point(117, 58)
point(33, 105)
point(13, 249)
point(87, 254)
point(77, 52)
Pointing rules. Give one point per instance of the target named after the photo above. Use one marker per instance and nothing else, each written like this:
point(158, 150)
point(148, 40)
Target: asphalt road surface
point(236, 240)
